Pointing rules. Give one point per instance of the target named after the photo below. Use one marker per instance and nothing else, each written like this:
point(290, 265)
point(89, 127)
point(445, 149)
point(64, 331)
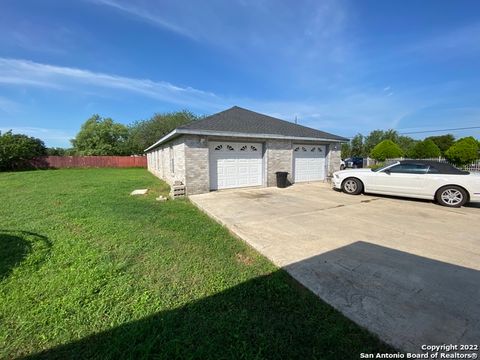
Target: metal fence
point(475, 166)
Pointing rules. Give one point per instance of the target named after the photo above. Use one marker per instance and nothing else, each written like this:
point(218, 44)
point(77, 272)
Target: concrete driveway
point(407, 270)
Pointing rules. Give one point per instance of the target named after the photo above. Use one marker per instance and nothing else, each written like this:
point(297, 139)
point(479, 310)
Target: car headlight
point(336, 176)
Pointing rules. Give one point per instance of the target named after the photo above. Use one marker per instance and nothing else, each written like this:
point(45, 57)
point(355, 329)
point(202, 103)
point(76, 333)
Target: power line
point(430, 131)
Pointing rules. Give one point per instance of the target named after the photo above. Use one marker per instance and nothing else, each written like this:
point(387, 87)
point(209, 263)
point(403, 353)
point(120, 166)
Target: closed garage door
point(309, 162)
point(235, 165)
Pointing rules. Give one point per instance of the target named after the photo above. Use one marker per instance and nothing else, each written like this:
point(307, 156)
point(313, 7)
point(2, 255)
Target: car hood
point(353, 171)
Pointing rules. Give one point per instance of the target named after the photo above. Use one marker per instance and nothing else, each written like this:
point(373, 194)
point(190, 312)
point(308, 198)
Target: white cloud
point(346, 113)
point(28, 73)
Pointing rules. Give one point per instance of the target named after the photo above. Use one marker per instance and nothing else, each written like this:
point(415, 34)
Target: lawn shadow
point(15, 246)
point(407, 299)
point(268, 317)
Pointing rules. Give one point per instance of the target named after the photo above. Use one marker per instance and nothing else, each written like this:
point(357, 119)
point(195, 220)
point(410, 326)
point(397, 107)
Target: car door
point(401, 179)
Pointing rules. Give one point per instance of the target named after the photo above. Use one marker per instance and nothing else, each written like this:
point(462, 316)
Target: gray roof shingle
point(239, 120)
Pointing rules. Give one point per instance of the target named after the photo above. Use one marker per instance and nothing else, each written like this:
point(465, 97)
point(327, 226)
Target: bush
point(425, 149)
point(387, 149)
point(463, 152)
point(16, 150)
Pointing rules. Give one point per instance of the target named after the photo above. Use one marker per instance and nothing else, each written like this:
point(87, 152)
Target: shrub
point(425, 149)
point(387, 149)
point(463, 152)
point(16, 150)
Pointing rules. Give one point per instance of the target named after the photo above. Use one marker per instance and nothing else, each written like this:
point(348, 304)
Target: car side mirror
point(387, 171)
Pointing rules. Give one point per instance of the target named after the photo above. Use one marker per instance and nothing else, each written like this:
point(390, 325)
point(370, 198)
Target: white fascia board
point(176, 132)
point(248, 135)
point(162, 140)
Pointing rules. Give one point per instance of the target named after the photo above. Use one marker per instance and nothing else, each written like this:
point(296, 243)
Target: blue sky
point(340, 66)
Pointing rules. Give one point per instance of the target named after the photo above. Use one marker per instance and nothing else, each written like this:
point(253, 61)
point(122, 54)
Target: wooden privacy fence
point(89, 161)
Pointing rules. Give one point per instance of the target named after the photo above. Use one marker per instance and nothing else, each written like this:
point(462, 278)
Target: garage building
point(241, 148)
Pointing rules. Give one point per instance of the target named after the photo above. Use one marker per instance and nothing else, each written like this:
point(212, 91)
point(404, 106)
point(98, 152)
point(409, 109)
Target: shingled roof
point(240, 122)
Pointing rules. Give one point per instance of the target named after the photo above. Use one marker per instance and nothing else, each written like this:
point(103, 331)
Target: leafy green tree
point(377, 136)
point(407, 144)
point(463, 151)
point(444, 142)
point(144, 133)
point(386, 149)
point(425, 149)
point(56, 151)
point(346, 150)
point(101, 136)
point(17, 149)
point(356, 145)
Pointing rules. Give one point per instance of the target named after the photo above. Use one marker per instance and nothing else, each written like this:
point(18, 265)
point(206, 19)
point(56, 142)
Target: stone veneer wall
point(278, 155)
point(197, 178)
point(334, 158)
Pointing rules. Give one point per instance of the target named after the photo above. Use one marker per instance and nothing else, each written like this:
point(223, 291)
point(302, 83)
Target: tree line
point(104, 136)
point(388, 144)
point(97, 136)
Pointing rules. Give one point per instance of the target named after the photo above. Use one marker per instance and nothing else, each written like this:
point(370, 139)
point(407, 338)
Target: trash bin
point(281, 179)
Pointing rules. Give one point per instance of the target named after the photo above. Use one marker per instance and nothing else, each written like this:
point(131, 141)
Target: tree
point(356, 145)
point(463, 151)
point(425, 149)
point(387, 149)
point(101, 136)
point(407, 144)
point(346, 150)
point(444, 142)
point(17, 149)
point(377, 136)
point(56, 151)
point(144, 133)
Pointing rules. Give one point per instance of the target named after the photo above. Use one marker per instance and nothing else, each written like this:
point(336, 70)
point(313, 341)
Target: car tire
point(352, 186)
point(451, 196)
point(342, 167)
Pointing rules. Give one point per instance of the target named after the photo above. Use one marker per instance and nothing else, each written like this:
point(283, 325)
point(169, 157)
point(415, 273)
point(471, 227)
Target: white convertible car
point(417, 179)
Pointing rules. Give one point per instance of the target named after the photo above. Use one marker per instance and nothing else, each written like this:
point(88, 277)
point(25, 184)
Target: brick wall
point(197, 164)
point(278, 155)
point(160, 161)
point(191, 153)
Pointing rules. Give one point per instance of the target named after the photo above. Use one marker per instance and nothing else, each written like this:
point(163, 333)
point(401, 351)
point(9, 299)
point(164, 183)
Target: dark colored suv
point(353, 162)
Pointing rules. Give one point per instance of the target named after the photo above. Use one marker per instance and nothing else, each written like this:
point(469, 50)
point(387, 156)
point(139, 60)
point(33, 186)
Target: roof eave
point(167, 137)
point(180, 131)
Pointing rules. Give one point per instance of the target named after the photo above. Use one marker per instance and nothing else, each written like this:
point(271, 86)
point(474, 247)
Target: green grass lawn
point(88, 271)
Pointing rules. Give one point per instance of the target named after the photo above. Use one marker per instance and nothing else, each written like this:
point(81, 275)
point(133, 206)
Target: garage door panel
point(309, 163)
point(235, 165)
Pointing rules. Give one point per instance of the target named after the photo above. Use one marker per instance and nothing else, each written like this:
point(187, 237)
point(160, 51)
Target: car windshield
point(382, 168)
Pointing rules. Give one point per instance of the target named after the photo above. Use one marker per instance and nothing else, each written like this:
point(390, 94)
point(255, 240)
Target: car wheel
point(342, 167)
point(452, 196)
point(352, 186)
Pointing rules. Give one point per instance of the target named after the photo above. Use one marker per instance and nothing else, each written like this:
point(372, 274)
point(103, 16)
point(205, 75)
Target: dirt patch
point(244, 259)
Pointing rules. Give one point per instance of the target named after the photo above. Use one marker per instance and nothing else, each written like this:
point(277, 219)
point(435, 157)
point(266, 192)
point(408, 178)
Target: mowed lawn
point(88, 271)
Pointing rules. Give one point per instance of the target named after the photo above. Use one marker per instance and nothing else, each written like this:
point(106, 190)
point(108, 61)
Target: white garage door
point(309, 162)
point(235, 165)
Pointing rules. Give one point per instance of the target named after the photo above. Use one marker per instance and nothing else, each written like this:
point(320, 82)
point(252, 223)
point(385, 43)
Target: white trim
point(237, 134)
point(162, 140)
